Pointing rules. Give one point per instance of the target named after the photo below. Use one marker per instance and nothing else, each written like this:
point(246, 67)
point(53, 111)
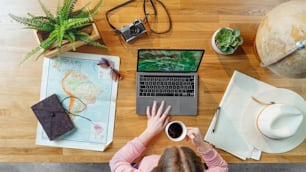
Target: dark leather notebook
point(52, 117)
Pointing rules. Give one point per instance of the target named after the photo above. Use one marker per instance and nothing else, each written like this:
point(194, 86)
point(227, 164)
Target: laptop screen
point(169, 60)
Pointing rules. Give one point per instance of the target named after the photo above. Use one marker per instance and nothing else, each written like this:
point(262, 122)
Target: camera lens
point(134, 30)
point(136, 22)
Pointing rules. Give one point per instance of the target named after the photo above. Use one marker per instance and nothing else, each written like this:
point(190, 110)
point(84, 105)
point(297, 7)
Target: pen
point(217, 114)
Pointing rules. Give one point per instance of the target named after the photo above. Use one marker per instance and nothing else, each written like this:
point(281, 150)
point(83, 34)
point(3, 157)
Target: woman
point(174, 159)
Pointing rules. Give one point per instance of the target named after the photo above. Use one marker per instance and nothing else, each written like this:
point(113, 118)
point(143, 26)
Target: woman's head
point(179, 159)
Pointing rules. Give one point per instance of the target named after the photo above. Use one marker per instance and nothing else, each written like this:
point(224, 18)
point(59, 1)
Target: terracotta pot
point(66, 45)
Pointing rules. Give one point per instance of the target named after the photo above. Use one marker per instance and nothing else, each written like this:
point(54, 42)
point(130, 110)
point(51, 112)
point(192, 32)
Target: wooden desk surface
point(194, 22)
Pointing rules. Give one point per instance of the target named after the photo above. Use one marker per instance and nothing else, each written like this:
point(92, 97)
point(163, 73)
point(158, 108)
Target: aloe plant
point(66, 24)
point(227, 40)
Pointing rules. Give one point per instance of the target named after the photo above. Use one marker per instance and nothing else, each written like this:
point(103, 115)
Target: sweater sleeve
point(214, 161)
point(122, 160)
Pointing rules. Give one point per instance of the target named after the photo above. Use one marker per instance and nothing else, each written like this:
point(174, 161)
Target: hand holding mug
point(196, 138)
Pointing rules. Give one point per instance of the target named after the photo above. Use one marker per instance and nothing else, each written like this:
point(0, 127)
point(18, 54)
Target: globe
point(278, 33)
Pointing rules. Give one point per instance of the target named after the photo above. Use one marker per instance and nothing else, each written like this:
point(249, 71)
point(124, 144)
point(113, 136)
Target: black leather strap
point(107, 14)
point(115, 8)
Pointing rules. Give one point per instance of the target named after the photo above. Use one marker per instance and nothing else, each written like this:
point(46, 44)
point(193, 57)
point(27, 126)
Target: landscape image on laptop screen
point(154, 60)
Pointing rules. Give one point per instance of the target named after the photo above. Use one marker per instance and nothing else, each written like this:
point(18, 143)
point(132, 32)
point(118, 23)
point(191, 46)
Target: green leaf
point(96, 9)
point(59, 32)
point(67, 8)
point(82, 13)
point(236, 33)
point(71, 38)
point(46, 44)
point(86, 38)
point(85, 13)
point(234, 44)
point(231, 50)
point(46, 11)
point(29, 54)
point(240, 40)
point(38, 23)
point(76, 23)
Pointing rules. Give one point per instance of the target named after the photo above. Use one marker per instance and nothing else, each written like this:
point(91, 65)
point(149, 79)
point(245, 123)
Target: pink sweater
point(122, 160)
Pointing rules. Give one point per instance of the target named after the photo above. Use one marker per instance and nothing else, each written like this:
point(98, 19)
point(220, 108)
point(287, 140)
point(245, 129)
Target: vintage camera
point(133, 30)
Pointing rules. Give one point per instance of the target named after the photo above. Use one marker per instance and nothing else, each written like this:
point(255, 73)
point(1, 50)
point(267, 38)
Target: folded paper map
point(88, 94)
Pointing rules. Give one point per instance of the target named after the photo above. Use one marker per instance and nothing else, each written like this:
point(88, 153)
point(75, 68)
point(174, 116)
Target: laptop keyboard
point(166, 85)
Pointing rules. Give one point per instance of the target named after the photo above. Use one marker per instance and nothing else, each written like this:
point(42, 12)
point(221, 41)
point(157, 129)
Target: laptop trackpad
point(178, 107)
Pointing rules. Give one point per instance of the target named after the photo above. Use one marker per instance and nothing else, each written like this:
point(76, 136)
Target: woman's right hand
point(194, 135)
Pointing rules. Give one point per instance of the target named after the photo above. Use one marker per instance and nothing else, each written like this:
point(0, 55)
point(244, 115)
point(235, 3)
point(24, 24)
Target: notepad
point(228, 135)
point(52, 117)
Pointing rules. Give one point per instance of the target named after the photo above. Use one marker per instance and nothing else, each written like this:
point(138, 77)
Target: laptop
point(170, 75)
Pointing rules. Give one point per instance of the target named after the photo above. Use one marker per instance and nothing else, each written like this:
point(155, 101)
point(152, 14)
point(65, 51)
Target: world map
point(87, 92)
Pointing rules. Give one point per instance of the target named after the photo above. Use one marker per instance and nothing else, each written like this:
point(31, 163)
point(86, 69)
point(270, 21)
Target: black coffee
point(175, 130)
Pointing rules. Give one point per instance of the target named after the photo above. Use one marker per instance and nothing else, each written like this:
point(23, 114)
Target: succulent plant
point(227, 40)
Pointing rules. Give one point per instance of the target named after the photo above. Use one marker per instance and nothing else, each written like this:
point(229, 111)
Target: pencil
point(217, 114)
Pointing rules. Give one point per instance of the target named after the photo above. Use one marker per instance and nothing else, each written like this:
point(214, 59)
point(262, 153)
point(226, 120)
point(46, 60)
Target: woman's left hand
point(157, 121)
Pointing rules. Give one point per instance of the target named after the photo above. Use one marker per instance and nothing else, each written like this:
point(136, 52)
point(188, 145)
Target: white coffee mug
point(176, 130)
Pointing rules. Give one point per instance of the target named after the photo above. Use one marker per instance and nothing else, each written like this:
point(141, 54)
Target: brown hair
point(179, 159)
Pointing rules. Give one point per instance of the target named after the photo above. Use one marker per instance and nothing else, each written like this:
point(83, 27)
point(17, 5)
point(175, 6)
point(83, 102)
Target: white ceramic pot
point(213, 43)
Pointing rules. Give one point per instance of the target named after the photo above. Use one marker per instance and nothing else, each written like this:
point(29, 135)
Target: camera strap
point(155, 13)
point(145, 13)
point(115, 8)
